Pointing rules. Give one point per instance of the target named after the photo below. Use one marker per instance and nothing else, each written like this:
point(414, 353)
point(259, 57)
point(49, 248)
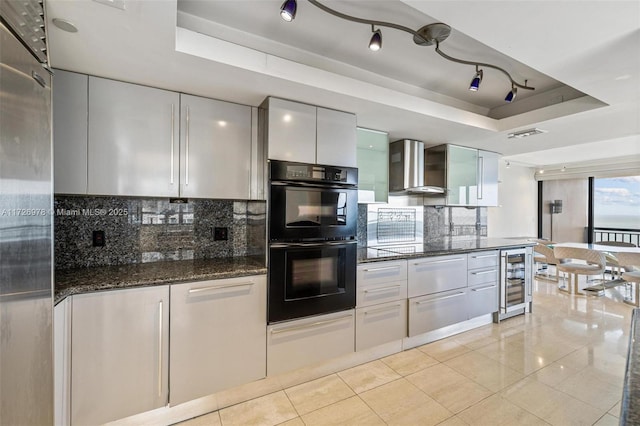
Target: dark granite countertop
point(85, 280)
point(630, 406)
point(437, 248)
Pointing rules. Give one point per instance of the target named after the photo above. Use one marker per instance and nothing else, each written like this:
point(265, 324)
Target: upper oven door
point(306, 211)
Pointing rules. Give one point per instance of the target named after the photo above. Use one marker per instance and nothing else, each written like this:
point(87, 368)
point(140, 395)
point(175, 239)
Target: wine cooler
point(516, 278)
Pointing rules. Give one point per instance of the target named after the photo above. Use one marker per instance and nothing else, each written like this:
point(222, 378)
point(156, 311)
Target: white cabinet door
point(336, 138)
point(435, 274)
point(381, 282)
point(69, 97)
point(379, 324)
point(133, 139)
point(291, 131)
point(218, 335)
point(295, 344)
point(488, 178)
point(428, 313)
point(215, 148)
point(483, 299)
point(119, 354)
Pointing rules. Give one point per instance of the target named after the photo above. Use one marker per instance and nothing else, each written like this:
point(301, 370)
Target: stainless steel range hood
point(406, 169)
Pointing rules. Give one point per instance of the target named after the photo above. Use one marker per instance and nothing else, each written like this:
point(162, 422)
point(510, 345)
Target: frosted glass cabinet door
point(373, 165)
point(336, 138)
point(218, 335)
point(462, 176)
point(133, 139)
point(292, 131)
point(69, 99)
point(215, 149)
point(119, 354)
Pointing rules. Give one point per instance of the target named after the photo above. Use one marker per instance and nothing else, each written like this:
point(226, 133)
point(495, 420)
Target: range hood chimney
point(406, 169)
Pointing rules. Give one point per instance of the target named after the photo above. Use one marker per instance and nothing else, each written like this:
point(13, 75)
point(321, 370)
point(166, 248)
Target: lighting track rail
point(431, 34)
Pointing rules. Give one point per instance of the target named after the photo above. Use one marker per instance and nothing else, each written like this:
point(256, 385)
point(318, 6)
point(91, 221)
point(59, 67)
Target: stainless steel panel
point(435, 311)
point(482, 259)
point(26, 363)
point(435, 274)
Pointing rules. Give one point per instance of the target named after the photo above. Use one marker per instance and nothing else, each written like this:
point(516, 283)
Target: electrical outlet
point(220, 233)
point(98, 238)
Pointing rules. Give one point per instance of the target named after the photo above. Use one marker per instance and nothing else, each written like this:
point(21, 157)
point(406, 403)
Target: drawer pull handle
point(484, 272)
point(485, 256)
point(386, 308)
point(457, 259)
point(386, 268)
point(379, 290)
point(160, 332)
point(439, 298)
point(217, 287)
point(489, 287)
point(305, 326)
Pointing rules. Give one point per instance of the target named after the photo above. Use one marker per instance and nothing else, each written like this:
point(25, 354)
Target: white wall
point(517, 214)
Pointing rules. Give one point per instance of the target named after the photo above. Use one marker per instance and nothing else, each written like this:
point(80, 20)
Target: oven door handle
point(319, 244)
point(314, 185)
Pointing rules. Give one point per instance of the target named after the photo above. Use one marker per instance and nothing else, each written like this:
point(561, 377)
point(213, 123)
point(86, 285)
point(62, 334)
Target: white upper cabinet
point(291, 131)
point(488, 178)
point(308, 134)
point(336, 138)
point(215, 148)
point(133, 139)
point(69, 98)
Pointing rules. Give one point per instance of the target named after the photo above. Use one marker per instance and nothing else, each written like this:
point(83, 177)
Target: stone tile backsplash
point(139, 230)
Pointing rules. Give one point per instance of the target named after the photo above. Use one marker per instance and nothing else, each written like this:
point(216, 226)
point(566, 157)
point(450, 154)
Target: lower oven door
point(311, 278)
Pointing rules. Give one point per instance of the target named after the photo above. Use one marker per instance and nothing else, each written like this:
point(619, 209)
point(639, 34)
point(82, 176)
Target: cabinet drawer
point(482, 299)
point(299, 343)
point(436, 274)
point(377, 293)
point(380, 324)
point(435, 311)
point(484, 275)
point(483, 259)
point(380, 272)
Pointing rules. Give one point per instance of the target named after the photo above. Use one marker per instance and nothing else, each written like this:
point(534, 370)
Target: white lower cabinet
point(217, 335)
point(434, 311)
point(119, 354)
point(300, 343)
point(379, 324)
point(435, 274)
point(482, 299)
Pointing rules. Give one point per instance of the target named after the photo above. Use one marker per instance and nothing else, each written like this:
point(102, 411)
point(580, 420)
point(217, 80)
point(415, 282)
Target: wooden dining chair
point(578, 261)
point(631, 264)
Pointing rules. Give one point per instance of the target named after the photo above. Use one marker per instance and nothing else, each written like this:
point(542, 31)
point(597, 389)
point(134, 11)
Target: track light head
point(376, 40)
point(288, 10)
point(512, 94)
point(477, 79)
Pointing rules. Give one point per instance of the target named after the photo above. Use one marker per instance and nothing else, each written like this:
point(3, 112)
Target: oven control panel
point(288, 171)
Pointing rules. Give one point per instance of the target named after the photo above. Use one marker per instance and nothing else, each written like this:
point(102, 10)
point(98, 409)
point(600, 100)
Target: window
point(616, 203)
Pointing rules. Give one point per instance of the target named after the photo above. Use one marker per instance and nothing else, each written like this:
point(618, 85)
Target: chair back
point(547, 253)
point(615, 243)
point(590, 256)
point(629, 260)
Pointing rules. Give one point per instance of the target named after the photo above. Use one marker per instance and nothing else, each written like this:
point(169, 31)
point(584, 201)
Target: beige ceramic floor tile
point(555, 373)
point(352, 411)
point(615, 411)
point(449, 388)
point(497, 411)
point(318, 393)
point(551, 405)
point(211, 419)
point(368, 376)
point(607, 420)
point(409, 362)
point(514, 357)
point(485, 371)
point(476, 339)
point(587, 387)
point(401, 403)
point(445, 349)
point(453, 421)
point(293, 422)
point(270, 409)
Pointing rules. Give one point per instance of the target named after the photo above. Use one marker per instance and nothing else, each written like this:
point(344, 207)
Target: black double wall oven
point(312, 239)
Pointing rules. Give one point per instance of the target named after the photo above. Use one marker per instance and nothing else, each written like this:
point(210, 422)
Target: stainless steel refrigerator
point(26, 338)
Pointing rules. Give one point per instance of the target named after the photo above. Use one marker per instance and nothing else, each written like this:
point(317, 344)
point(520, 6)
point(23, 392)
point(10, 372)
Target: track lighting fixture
point(376, 40)
point(429, 35)
point(512, 94)
point(288, 10)
point(477, 79)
